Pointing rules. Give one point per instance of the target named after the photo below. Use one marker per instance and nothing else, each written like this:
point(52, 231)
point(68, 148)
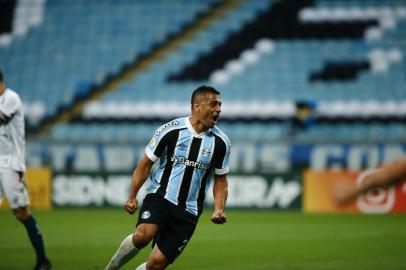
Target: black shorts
point(176, 225)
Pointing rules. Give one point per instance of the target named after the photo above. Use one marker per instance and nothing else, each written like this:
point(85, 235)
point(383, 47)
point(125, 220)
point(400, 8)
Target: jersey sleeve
point(222, 161)
point(156, 146)
point(10, 105)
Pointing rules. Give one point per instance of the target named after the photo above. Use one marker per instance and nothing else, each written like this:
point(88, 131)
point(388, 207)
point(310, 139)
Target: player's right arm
point(140, 175)
point(153, 151)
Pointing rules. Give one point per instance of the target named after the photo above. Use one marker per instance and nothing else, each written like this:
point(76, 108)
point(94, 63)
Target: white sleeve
point(11, 104)
point(224, 167)
point(149, 150)
point(155, 147)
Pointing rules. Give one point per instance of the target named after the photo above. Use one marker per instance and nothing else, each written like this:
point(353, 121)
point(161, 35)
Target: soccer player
point(388, 174)
point(12, 167)
point(188, 151)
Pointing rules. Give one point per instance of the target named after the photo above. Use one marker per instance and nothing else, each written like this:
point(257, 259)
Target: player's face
point(210, 109)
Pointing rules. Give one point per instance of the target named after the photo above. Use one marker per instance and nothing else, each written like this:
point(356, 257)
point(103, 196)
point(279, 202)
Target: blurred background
point(313, 92)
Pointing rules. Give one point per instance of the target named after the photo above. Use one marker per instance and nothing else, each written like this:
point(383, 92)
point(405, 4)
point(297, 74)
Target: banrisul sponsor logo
point(163, 127)
point(190, 163)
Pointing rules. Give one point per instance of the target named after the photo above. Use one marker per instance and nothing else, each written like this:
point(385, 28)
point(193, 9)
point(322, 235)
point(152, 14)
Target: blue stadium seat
point(87, 40)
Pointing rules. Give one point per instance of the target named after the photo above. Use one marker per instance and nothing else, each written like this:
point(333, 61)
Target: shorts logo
point(145, 214)
point(184, 243)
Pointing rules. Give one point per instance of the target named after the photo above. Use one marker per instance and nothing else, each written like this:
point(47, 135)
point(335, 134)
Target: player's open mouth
point(215, 117)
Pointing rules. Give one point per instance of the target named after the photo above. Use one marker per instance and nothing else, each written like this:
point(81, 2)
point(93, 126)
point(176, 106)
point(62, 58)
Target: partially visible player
point(388, 174)
point(188, 150)
point(12, 168)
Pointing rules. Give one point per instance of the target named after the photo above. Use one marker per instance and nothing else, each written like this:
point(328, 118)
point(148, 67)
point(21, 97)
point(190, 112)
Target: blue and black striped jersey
point(187, 161)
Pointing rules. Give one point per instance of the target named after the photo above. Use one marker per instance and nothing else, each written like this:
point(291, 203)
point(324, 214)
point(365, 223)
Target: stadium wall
point(246, 157)
point(294, 176)
point(273, 190)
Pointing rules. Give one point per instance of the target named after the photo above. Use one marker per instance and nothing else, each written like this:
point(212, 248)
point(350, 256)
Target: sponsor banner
point(318, 185)
point(39, 188)
point(276, 191)
point(345, 156)
point(273, 191)
point(90, 189)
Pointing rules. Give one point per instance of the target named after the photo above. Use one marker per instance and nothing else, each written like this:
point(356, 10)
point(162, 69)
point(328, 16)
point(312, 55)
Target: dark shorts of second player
point(176, 226)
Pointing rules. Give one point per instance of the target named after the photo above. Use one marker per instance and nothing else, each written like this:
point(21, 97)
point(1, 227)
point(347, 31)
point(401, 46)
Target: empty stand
point(264, 56)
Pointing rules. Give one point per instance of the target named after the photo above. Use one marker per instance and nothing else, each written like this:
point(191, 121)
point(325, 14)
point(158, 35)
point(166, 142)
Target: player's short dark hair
point(1, 76)
point(202, 90)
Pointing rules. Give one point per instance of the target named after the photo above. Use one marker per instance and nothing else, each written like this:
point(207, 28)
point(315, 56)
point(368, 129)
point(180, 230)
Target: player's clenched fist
point(131, 205)
point(219, 217)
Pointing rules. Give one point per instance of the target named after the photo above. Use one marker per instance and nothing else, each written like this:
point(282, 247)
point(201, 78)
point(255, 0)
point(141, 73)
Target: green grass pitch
point(86, 239)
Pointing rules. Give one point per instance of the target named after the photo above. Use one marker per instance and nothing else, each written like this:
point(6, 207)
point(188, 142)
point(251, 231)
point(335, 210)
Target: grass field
point(86, 239)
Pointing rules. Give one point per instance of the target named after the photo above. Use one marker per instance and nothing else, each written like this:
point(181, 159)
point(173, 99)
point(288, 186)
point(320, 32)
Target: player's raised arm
point(220, 191)
point(139, 177)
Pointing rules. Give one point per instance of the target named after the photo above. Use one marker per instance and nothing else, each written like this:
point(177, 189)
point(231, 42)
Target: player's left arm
point(220, 191)
point(220, 186)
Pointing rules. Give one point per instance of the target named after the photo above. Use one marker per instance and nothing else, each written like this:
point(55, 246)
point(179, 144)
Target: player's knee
point(21, 213)
point(142, 237)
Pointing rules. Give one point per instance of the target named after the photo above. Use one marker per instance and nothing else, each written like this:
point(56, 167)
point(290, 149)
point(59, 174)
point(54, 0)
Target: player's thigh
point(153, 215)
point(154, 210)
point(173, 239)
point(14, 188)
